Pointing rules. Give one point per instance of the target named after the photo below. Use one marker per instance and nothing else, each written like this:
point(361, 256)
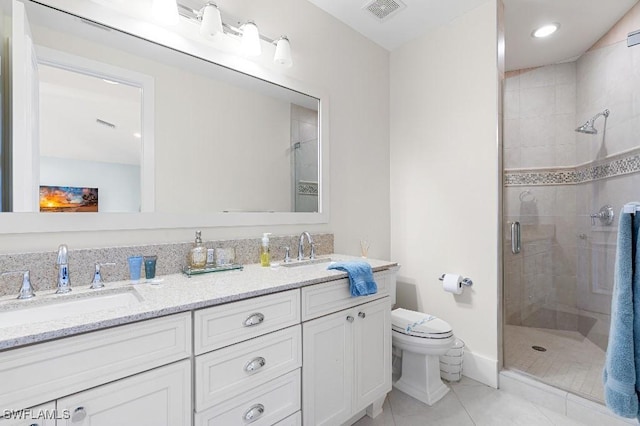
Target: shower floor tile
point(571, 361)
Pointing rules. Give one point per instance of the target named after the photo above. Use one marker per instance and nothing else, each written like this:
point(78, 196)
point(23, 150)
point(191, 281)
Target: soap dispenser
point(197, 258)
point(265, 259)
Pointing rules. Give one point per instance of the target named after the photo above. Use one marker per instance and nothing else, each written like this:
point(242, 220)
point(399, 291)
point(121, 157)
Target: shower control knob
point(362, 314)
point(350, 318)
point(605, 215)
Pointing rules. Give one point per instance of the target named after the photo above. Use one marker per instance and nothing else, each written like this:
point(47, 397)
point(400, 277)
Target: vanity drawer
point(46, 371)
point(326, 298)
point(278, 399)
point(224, 325)
point(227, 372)
point(292, 420)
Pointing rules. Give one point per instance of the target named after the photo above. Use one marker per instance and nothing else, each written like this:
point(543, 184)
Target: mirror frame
point(13, 223)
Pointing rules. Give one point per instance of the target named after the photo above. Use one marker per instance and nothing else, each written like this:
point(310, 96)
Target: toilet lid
point(419, 324)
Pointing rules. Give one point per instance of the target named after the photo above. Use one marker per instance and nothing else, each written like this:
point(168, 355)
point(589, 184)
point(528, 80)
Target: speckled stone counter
point(171, 258)
point(174, 293)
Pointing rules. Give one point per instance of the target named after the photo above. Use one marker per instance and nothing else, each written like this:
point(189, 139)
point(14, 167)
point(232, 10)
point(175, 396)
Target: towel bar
point(631, 208)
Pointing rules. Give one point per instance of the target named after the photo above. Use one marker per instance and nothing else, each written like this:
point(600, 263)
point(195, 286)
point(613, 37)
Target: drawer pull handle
point(350, 318)
point(255, 364)
point(78, 415)
point(254, 413)
point(254, 319)
point(362, 314)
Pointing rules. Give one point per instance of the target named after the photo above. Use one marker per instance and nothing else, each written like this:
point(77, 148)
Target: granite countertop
point(174, 293)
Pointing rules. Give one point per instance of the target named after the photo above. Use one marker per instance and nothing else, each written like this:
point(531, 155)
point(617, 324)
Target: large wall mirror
point(116, 123)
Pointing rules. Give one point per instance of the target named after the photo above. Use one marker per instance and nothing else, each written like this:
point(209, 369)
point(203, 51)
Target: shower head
point(588, 127)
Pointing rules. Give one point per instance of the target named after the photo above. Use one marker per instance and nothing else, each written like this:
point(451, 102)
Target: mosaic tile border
point(307, 188)
point(615, 165)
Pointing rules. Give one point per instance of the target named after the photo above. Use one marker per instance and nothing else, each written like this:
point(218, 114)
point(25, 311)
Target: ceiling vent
point(383, 10)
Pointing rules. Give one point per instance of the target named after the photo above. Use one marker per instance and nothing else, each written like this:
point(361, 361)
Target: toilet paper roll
point(452, 283)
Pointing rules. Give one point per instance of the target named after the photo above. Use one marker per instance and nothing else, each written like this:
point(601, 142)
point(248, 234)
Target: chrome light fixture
point(165, 11)
point(211, 20)
point(251, 39)
point(283, 52)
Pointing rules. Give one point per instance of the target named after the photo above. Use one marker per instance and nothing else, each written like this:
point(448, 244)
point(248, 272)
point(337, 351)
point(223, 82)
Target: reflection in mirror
point(90, 137)
point(221, 141)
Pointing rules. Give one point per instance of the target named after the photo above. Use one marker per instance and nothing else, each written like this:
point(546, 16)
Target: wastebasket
point(451, 362)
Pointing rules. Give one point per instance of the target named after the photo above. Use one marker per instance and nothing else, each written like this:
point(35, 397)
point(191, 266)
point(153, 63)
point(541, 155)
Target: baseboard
point(480, 368)
point(576, 408)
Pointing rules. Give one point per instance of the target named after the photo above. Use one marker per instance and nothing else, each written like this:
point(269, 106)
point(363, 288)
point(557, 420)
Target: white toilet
point(422, 339)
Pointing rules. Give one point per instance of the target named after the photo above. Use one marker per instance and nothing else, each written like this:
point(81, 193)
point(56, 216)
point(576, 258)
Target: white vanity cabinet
point(249, 354)
point(347, 354)
point(111, 373)
point(158, 397)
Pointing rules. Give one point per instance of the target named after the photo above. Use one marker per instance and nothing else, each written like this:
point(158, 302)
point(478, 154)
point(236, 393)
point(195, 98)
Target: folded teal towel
point(361, 281)
point(622, 364)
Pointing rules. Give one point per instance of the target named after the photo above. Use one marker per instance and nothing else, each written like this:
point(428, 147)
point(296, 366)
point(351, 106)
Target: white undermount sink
point(58, 308)
point(295, 263)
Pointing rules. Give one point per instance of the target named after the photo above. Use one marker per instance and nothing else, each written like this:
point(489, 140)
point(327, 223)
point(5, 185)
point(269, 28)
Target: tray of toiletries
point(188, 271)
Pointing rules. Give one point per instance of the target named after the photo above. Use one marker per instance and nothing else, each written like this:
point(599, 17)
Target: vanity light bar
point(196, 16)
point(236, 30)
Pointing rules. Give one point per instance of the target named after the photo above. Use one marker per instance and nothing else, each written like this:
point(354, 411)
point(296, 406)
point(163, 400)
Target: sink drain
point(539, 348)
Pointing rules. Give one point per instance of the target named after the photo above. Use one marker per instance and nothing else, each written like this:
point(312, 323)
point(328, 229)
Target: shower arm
point(604, 113)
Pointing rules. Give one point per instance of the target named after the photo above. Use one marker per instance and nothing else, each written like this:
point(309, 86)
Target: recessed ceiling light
point(545, 30)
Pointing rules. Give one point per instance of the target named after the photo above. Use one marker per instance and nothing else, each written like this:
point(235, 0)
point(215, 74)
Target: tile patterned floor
point(468, 403)
point(571, 362)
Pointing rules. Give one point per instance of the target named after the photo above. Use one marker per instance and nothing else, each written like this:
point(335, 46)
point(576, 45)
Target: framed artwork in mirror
point(68, 199)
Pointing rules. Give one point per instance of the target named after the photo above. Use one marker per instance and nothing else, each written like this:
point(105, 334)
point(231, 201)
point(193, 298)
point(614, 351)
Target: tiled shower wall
point(580, 173)
point(539, 120)
point(304, 149)
point(606, 78)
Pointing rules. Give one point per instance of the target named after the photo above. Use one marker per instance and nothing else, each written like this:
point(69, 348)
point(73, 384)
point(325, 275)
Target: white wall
point(445, 180)
point(354, 72)
point(118, 184)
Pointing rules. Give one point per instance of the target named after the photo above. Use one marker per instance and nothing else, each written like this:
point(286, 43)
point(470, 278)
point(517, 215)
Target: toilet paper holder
point(465, 281)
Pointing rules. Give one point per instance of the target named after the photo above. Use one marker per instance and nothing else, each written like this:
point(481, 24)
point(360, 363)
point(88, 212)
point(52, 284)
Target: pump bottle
point(265, 257)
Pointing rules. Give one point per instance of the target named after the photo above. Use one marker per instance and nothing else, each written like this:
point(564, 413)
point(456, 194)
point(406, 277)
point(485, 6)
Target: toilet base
point(421, 377)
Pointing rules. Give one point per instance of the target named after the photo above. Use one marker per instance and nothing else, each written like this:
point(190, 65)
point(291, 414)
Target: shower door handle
point(515, 237)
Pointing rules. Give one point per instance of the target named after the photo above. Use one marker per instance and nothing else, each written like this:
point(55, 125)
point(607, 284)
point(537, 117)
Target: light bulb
point(545, 31)
point(211, 21)
point(251, 39)
point(283, 52)
point(165, 11)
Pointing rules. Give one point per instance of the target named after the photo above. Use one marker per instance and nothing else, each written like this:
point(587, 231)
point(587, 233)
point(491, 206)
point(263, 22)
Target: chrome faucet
point(26, 291)
point(312, 255)
point(98, 282)
point(64, 285)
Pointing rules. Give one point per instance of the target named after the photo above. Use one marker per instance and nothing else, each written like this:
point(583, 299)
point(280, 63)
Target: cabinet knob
point(362, 314)
point(78, 415)
point(253, 319)
point(253, 413)
point(255, 364)
point(350, 318)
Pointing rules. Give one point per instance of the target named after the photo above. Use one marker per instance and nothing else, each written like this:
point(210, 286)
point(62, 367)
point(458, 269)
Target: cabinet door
point(42, 415)
point(372, 352)
point(327, 369)
point(160, 397)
